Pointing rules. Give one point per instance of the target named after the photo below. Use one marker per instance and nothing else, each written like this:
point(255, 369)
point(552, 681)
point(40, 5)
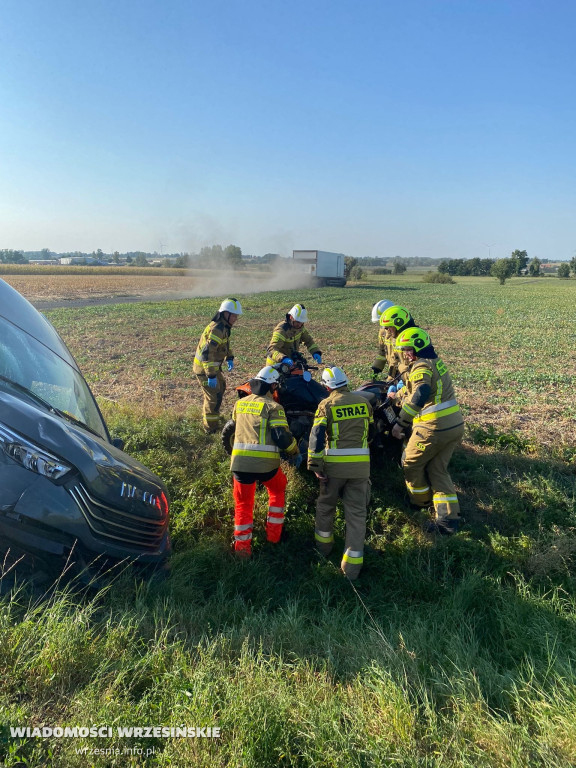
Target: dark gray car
point(63, 481)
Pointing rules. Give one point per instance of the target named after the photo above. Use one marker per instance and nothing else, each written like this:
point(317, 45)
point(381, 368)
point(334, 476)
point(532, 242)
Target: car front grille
point(118, 526)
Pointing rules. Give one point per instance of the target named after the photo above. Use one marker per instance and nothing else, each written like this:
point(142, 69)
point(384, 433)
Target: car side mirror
point(117, 442)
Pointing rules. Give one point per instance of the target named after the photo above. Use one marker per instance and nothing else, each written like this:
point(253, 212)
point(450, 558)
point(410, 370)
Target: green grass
point(447, 653)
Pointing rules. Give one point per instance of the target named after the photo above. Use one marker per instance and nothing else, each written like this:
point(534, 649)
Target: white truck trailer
point(324, 268)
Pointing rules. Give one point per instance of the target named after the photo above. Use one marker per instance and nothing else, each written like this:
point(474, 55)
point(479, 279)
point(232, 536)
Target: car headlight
point(30, 456)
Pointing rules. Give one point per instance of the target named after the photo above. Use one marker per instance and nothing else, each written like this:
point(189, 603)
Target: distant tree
point(444, 267)
point(573, 265)
point(183, 261)
point(45, 253)
point(520, 259)
point(233, 255)
point(211, 255)
point(474, 267)
point(356, 273)
point(502, 269)
point(398, 266)
point(116, 257)
point(141, 260)
point(564, 270)
point(129, 259)
point(8, 256)
point(349, 263)
point(534, 267)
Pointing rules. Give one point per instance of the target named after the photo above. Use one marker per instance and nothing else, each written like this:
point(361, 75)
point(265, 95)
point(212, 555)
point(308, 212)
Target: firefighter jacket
point(429, 400)
point(338, 444)
point(213, 348)
point(286, 340)
point(388, 358)
point(261, 433)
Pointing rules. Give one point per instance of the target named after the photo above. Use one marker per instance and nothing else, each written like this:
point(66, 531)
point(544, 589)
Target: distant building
point(69, 260)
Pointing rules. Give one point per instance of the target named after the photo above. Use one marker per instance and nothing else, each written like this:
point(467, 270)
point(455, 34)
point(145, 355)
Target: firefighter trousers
point(425, 465)
point(355, 497)
point(212, 401)
point(244, 494)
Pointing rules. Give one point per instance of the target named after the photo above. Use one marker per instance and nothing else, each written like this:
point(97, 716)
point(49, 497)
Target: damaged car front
point(64, 483)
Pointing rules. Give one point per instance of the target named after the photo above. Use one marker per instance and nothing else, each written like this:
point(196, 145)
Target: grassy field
point(445, 653)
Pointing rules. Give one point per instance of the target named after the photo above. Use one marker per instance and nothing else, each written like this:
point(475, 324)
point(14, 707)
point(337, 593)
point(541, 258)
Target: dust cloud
point(222, 283)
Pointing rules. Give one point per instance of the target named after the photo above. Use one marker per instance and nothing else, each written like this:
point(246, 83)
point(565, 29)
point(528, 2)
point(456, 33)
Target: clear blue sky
point(436, 128)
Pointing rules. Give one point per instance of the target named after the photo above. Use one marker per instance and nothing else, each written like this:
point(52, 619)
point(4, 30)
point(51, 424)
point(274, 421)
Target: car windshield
point(34, 367)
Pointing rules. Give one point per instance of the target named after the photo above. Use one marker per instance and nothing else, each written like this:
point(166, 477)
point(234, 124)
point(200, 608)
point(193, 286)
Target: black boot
point(442, 527)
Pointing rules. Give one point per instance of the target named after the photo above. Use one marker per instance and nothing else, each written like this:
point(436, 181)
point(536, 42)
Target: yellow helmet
point(395, 317)
point(412, 338)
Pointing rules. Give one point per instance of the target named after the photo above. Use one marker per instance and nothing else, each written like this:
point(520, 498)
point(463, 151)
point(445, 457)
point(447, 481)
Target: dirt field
point(73, 287)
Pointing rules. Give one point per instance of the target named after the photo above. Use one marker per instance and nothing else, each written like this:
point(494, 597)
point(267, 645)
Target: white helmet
point(231, 305)
point(299, 313)
point(334, 377)
point(380, 307)
point(268, 374)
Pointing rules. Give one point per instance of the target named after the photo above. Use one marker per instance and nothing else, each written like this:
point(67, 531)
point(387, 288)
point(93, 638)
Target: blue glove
point(230, 364)
point(287, 360)
point(212, 382)
point(317, 356)
point(296, 460)
point(399, 385)
point(391, 390)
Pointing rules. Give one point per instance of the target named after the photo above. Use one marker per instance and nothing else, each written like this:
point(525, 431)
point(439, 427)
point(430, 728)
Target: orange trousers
point(244, 510)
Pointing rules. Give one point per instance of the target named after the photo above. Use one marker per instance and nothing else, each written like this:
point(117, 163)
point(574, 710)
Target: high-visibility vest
point(338, 442)
point(254, 449)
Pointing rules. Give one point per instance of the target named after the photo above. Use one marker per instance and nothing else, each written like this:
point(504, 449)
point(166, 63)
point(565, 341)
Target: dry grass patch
point(70, 287)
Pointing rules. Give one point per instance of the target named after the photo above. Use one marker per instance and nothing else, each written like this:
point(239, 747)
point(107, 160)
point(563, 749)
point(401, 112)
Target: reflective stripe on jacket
point(213, 348)
point(286, 340)
point(338, 443)
point(430, 400)
point(389, 360)
point(254, 449)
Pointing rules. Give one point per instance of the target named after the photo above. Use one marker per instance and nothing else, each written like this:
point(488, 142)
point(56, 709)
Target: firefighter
point(213, 349)
point(379, 307)
point(339, 456)
point(393, 320)
point(261, 433)
point(431, 410)
point(288, 335)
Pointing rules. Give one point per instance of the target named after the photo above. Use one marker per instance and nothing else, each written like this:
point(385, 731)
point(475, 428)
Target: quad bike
point(300, 395)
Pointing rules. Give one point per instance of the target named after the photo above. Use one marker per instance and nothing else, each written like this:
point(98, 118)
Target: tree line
point(209, 256)
point(518, 263)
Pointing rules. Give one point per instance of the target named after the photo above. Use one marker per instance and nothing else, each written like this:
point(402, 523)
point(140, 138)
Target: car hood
point(110, 474)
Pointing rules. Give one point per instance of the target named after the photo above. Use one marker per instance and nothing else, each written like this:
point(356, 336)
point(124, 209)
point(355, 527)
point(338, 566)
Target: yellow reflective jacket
point(338, 445)
point(389, 360)
point(286, 340)
point(213, 348)
point(429, 399)
point(255, 449)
